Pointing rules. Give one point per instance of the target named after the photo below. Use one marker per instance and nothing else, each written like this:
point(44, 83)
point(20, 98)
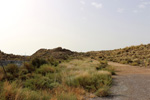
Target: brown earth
point(130, 83)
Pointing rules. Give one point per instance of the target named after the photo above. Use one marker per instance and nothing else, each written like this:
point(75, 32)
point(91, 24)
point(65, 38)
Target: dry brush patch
point(84, 74)
point(133, 55)
point(73, 80)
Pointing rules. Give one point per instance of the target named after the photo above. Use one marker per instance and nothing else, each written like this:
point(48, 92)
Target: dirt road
point(130, 83)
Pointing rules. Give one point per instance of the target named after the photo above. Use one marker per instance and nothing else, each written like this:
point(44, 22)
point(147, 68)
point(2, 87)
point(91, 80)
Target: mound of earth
point(57, 53)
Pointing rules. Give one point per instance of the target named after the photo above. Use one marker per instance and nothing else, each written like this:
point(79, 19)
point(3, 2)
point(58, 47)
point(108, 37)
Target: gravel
point(130, 83)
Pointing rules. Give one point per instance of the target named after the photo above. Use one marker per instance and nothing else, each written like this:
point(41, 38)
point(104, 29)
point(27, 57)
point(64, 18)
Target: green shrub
point(40, 82)
point(53, 61)
point(10, 76)
point(45, 69)
point(23, 71)
point(23, 74)
point(12, 71)
point(55, 77)
point(91, 82)
point(38, 62)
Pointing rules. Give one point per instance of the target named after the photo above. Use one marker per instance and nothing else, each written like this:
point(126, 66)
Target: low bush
point(53, 61)
point(12, 71)
point(91, 82)
point(38, 62)
point(45, 69)
point(55, 77)
point(23, 71)
point(40, 82)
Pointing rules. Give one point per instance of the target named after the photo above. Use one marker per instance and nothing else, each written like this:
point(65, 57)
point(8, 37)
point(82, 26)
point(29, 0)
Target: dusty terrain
point(130, 83)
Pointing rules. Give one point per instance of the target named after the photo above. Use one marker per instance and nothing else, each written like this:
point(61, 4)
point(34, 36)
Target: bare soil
point(130, 83)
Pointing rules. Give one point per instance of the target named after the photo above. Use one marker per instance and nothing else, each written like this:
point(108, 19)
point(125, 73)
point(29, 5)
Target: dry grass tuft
point(102, 72)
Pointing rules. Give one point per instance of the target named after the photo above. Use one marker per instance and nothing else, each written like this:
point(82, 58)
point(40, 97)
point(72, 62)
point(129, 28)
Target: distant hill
point(57, 53)
point(4, 56)
point(134, 55)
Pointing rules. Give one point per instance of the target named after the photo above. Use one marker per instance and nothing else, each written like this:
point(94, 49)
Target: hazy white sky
point(79, 25)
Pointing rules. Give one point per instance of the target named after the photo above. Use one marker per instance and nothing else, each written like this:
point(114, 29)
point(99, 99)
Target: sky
point(78, 25)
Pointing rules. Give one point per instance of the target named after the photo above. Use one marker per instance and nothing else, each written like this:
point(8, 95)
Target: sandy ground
point(130, 83)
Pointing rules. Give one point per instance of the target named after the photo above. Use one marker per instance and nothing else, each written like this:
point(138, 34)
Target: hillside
point(63, 79)
point(4, 56)
point(133, 55)
point(56, 53)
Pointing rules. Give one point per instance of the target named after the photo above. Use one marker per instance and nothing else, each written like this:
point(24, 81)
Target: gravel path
point(130, 83)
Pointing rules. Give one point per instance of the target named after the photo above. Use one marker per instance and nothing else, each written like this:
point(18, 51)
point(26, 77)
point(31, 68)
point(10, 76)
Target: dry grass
point(13, 91)
point(75, 67)
point(102, 72)
point(78, 92)
point(133, 55)
point(72, 80)
point(83, 73)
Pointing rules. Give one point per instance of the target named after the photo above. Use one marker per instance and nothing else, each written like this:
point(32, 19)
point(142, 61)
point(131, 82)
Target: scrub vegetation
point(60, 74)
point(134, 55)
point(41, 79)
